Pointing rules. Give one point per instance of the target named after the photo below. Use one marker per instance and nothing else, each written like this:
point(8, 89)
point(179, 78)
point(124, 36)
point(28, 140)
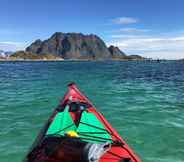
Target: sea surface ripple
point(144, 101)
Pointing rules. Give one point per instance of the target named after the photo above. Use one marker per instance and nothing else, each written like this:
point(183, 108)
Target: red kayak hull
point(120, 152)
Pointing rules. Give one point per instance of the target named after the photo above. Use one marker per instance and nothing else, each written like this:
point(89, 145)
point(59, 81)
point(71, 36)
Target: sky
point(150, 28)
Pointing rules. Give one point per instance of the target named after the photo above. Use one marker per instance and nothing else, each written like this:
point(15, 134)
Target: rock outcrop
point(77, 46)
point(116, 53)
point(71, 46)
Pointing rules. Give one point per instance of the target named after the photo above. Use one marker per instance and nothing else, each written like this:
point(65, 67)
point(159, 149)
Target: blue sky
point(151, 28)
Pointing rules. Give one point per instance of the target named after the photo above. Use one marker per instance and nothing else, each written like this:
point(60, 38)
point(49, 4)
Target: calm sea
point(144, 101)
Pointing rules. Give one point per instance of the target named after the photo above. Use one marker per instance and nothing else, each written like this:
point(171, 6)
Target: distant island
point(71, 46)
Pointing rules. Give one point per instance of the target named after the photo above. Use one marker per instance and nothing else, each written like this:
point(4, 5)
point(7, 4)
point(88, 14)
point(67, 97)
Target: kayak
point(77, 132)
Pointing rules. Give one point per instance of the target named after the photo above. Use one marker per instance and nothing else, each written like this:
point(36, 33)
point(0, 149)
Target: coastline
point(24, 60)
point(81, 60)
point(64, 60)
point(19, 59)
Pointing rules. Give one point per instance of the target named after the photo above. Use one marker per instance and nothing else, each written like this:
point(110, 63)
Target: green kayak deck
point(89, 129)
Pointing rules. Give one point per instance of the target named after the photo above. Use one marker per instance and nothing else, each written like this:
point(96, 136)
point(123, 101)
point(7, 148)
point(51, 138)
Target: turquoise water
point(144, 101)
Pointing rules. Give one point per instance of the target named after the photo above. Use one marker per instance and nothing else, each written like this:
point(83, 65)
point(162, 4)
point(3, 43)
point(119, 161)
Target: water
point(143, 101)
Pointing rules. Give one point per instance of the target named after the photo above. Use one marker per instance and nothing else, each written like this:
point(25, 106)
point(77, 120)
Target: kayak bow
point(77, 132)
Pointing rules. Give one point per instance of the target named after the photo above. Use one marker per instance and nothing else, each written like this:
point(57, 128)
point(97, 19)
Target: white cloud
point(12, 46)
point(152, 46)
point(127, 36)
point(8, 33)
point(131, 30)
point(125, 20)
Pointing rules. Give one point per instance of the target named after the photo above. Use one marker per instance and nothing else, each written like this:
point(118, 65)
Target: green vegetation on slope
point(23, 55)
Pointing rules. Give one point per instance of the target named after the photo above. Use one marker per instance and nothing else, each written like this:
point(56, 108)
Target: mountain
point(2, 53)
point(116, 53)
point(5, 54)
point(71, 46)
point(76, 46)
